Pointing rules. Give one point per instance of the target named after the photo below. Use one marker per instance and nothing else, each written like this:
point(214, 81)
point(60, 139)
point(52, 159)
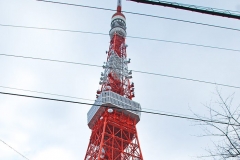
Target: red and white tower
point(114, 134)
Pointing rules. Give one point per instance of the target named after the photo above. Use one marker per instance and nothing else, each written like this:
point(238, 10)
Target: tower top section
point(118, 23)
point(119, 9)
point(119, 6)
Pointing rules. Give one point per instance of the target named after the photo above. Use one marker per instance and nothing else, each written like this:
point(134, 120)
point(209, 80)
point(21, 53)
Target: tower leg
point(114, 138)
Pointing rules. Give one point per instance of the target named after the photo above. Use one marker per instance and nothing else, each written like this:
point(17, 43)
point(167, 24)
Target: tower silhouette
point(114, 115)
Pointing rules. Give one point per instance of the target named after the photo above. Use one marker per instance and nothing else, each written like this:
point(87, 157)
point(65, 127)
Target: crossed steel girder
point(116, 71)
point(114, 137)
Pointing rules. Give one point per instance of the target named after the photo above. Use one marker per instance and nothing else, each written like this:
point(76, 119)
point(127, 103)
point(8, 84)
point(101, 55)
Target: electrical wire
point(52, 94)
point(60, 95)
point(142, 111)
point(14, 149)
point(51, 60)
point(185, 43)
point(136, 71)
point(193, 8)
point(52, 29)
point(142, 14)
point(134, 37)
point(188, 79)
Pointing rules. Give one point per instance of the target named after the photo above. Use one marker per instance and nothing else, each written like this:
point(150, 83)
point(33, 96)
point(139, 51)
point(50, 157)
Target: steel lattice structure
point(114, 134)
point(114, 137)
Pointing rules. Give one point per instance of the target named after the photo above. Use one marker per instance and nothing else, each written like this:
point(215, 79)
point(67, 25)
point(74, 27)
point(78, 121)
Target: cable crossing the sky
point(52, 94)
point(112, 107)
point(137, 71)
point(67, 96)
point(14, 149)
point(193, 8)
point(141, 14)
point(135, 37)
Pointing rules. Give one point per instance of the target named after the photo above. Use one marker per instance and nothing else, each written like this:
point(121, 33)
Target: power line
point(142, 14)
point(193, 8)
point(51, 60)
point(52, 29)
point(137, 71)
point(188, 79)
point(52, 94)
point(134, 37)
point(148, 112)
point(60, 95)
point(185, 43)
point(14, 150)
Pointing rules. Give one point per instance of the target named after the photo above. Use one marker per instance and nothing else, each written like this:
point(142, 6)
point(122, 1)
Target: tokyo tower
point(114, 115)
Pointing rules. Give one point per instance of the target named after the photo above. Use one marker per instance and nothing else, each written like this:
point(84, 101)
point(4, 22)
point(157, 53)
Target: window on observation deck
point(118, 23)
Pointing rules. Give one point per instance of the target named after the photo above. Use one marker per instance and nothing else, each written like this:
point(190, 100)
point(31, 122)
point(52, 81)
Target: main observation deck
point(111, 99)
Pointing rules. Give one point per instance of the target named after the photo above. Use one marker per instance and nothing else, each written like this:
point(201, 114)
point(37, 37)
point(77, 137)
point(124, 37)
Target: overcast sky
point(47, 130)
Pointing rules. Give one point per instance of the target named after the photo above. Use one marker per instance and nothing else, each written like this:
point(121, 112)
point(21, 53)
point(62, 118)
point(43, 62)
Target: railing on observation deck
point(111, 99)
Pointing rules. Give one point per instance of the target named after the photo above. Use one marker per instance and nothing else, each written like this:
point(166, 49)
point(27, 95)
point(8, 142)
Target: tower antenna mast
point(114, 134)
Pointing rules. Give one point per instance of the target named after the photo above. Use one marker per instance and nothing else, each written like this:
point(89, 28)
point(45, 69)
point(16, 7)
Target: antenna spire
point(119, 6)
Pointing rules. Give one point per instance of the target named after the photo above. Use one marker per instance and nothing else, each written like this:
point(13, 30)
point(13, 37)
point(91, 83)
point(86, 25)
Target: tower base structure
point(114, 137)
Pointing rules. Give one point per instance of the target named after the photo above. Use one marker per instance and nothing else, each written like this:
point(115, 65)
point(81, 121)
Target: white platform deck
point(111, 99)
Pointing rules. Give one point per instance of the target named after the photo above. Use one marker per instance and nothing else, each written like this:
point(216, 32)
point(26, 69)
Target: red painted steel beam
point(193, 8)
point(114, 137)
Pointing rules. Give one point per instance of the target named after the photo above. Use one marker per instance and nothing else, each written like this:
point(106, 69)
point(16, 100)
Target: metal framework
point(114, 137)
point(116, 75)
point(114, 100)
point(193, 8)
point(114, 134)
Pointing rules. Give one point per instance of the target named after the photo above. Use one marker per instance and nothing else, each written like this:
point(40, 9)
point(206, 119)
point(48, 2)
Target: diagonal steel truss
point(114, 137)
point(116, 74)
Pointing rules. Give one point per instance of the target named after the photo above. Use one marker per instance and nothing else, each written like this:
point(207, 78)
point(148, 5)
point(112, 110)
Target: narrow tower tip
point(119, 9)
point(119, 6)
